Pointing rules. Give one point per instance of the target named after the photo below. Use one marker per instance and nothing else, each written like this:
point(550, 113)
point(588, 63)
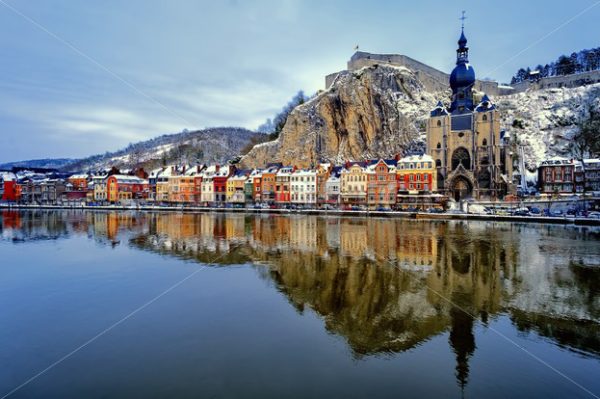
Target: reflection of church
point(470, 151)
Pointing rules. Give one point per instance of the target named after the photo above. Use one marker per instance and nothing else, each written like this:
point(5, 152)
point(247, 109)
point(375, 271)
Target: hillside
point(377, 111)
point(48, 163)
point(380, 111)
point(214, 145)
point(544, 121)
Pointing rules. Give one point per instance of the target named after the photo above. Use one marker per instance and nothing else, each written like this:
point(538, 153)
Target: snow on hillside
point(214, 145)
point(544, 121)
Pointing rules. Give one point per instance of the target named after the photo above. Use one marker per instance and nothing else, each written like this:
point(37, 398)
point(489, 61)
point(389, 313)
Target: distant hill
point(48, 163)
point(213, 145)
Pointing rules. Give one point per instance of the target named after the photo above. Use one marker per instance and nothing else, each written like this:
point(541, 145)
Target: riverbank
point(386, 214)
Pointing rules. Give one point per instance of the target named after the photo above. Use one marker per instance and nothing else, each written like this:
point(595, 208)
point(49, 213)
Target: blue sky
point(198, 64)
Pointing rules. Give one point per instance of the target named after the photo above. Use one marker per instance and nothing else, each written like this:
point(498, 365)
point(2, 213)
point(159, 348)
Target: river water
point(128, 304)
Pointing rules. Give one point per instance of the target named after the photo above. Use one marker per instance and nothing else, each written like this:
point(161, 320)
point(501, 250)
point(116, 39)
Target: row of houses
point(567, 176)
point(378, 183)
point(409, 182)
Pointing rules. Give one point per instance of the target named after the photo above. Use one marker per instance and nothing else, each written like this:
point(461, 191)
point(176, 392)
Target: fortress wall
point(575, 80)
point(433, 79)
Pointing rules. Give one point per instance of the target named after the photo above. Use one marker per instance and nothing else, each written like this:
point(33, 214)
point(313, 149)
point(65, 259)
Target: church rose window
point(461, 157)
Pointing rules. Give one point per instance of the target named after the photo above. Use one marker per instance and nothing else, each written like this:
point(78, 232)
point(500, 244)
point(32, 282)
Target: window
point(439, 146)
point(484, 118)
point(439, 123)
point(484, 142)
point(438, 163)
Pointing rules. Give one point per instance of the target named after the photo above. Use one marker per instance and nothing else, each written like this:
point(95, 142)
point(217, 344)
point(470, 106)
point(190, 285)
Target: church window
point(438, 163)
point(439, 123)
point(461, 157)
point(484, 118)
point(484, 142)
point(439, 145)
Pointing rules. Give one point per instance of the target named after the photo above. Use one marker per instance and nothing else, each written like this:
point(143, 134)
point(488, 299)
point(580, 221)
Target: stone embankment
point(343, 213)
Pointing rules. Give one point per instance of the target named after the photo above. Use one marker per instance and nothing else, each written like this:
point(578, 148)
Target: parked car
point(593, 215)
point(535, 211)
point(435, 210)
point(521, 212)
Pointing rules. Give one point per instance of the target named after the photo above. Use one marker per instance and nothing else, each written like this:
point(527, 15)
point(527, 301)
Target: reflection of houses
point(353, 237)
point(438, 275)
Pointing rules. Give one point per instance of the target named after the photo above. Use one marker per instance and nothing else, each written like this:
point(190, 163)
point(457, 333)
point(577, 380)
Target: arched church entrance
point(461, 188)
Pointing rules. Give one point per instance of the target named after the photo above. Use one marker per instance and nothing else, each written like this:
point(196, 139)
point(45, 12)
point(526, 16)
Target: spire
point(462, 53)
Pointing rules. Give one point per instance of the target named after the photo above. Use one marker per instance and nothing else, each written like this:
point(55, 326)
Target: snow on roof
point(79, 176)
point(127, 179)
point(417, 158)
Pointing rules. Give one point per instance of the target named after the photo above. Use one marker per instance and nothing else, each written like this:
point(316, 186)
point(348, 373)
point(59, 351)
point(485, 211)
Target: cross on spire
point(462, 18)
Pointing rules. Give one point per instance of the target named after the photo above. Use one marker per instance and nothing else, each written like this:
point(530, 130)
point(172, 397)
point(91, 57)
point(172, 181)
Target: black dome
point(462, 75)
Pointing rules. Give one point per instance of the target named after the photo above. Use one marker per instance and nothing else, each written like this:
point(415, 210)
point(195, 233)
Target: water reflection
point(385, 285)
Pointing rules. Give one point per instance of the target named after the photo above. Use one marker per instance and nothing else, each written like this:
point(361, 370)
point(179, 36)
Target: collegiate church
point(471, 153)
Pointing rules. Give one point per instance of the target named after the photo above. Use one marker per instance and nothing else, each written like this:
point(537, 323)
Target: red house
point(220, 182)
point(9, 187)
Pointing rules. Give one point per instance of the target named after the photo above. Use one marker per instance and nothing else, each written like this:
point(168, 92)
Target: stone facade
point(469, 149)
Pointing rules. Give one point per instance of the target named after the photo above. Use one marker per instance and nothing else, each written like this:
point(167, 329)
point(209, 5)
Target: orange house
point(382, 188)
point(124, 188)
point(269, 176)
point(257, 187)
point(79, 182)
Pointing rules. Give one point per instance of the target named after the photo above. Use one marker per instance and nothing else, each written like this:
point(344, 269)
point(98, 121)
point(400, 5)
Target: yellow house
point(416, 174)
point(353, 184)
point(235, 187)
point(100, 189)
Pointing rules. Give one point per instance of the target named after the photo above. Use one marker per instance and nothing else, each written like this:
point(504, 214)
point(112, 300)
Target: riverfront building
point(471, 153)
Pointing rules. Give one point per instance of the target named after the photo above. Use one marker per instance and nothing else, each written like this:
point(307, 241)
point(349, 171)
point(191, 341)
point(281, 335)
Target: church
point(472, 155)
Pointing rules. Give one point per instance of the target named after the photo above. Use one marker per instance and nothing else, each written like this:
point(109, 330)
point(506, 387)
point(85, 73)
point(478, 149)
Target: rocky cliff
point(380, 111)
point(376, 111)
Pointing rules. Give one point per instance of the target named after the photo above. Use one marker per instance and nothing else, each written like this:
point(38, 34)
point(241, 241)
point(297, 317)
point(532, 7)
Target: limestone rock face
point(380, 111)
point(377, 111)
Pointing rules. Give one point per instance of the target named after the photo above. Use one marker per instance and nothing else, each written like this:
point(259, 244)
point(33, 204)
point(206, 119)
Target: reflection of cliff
point(386, 285)
point(383, 285)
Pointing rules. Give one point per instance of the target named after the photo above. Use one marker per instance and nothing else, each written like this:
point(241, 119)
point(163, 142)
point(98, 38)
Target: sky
point(79, 78)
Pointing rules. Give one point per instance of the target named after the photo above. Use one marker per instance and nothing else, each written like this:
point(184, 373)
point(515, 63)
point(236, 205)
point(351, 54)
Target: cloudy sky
point(82, 77)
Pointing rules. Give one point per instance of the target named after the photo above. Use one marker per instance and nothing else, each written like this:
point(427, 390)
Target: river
point(139, 304)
